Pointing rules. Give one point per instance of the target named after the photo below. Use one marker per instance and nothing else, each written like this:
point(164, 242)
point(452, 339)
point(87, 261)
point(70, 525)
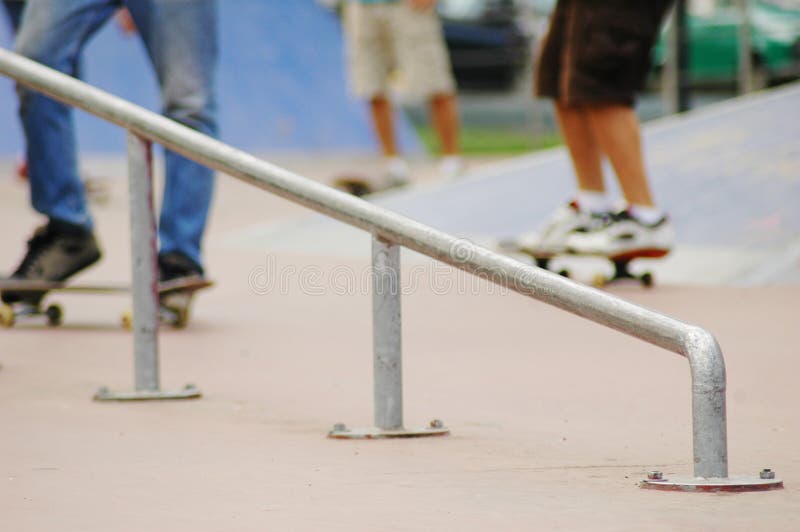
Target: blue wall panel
point(281, 83)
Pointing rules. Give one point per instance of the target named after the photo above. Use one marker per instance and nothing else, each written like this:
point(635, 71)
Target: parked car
point(713, 33)
point(487, 41)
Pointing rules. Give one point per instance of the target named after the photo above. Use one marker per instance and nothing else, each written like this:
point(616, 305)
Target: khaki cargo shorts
point(393, 44)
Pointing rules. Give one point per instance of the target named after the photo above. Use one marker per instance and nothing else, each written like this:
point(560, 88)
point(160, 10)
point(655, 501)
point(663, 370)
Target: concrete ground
point(554, 419)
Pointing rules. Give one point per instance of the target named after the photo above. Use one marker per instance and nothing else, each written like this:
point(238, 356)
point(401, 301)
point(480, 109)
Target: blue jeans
point(14, 11)
point(180, 37)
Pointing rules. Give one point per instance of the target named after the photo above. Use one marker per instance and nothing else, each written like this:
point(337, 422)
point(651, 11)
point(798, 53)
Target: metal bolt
point(437, 424)
point(655, 475)
point(339, 427)
point(767, 474)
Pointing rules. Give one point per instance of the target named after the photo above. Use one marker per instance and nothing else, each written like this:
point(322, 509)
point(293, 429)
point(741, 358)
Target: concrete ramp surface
point(728, 174)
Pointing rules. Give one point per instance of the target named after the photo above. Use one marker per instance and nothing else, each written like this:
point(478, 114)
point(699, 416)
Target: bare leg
point(383, 122)
point(616, 130)
point(583, 147)
point(444, 114)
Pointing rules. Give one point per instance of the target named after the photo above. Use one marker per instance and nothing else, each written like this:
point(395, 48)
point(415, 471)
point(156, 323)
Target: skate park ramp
point(281, 82)
point(729, 175)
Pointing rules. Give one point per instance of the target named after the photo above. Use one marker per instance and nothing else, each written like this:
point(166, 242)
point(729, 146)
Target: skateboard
point(620, 262)
point(175, 302)
point(362, 185)
point(174, 310)
point(98, 190)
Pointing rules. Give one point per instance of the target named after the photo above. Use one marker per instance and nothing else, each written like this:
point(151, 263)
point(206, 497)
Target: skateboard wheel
point(564, 273)
point(647, 279)
point(181, 319)
point(6, 316)
point(127, 320)
point(599, 280)
point(54, 315)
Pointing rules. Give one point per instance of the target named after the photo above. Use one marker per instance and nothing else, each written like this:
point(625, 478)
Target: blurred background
point(283, 89)
point(493, 45)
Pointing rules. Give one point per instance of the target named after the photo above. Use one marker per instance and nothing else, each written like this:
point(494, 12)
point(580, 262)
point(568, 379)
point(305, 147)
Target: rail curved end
point(705, 359)
point(709, 418)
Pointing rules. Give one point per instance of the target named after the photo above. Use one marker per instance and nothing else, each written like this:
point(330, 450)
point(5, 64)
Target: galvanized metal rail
point(390, 231)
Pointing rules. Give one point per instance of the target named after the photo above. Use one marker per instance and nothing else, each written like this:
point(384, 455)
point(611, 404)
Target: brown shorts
point(598, 51)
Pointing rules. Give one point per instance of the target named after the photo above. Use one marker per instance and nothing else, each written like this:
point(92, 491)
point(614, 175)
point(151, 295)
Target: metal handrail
point(391, 229)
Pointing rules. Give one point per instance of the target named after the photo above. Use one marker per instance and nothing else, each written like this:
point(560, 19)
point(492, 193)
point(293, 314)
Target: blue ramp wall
point(281, 84)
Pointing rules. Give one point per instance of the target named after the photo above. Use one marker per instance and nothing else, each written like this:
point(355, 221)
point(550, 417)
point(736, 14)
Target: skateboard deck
point(620, 262)
point(174, 309)
point(362, 185)
point(175, 302)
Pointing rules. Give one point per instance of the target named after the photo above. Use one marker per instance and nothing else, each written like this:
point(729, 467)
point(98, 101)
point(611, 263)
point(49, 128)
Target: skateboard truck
point(544, 263)
point(621, 273)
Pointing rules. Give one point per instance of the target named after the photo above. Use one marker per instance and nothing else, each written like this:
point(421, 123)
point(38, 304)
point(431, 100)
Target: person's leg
point(642, 229)
point(54, 33)
point(583, 148)
point(369, 61)
point(593, 204)
point(395, 168)
point(423, 58)
point(181, 40)
point(444, 115)
point(382, 116)
point(616, 129)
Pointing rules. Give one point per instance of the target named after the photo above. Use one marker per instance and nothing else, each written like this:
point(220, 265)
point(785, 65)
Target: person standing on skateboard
point(404, 35)
point(596, 56)
point(180, 38)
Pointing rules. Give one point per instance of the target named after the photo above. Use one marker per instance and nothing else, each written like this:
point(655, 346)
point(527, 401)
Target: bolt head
point(767, 474)
point(437, 424)
point(655, 475)
point(339, 427)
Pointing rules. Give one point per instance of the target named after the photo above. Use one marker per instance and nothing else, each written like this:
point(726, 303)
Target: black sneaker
point(175, 265)
point(56, 251)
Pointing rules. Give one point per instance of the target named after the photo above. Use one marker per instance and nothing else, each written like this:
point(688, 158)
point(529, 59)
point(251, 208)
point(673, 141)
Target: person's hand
point(421, 5)
point(125, 22)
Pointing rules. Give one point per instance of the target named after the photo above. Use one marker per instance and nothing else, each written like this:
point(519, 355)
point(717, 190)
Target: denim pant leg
point(181, 40)
point(54, 33)
point(14, 12)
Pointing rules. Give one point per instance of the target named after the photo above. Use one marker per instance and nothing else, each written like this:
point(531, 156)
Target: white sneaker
point(553, 237)
point(625, 236)
point(395, 172)
point(451, 166)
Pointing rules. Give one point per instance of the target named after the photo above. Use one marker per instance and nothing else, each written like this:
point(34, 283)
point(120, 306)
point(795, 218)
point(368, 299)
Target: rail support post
point(709, 427)
point(387, 352)
point(144, 249)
